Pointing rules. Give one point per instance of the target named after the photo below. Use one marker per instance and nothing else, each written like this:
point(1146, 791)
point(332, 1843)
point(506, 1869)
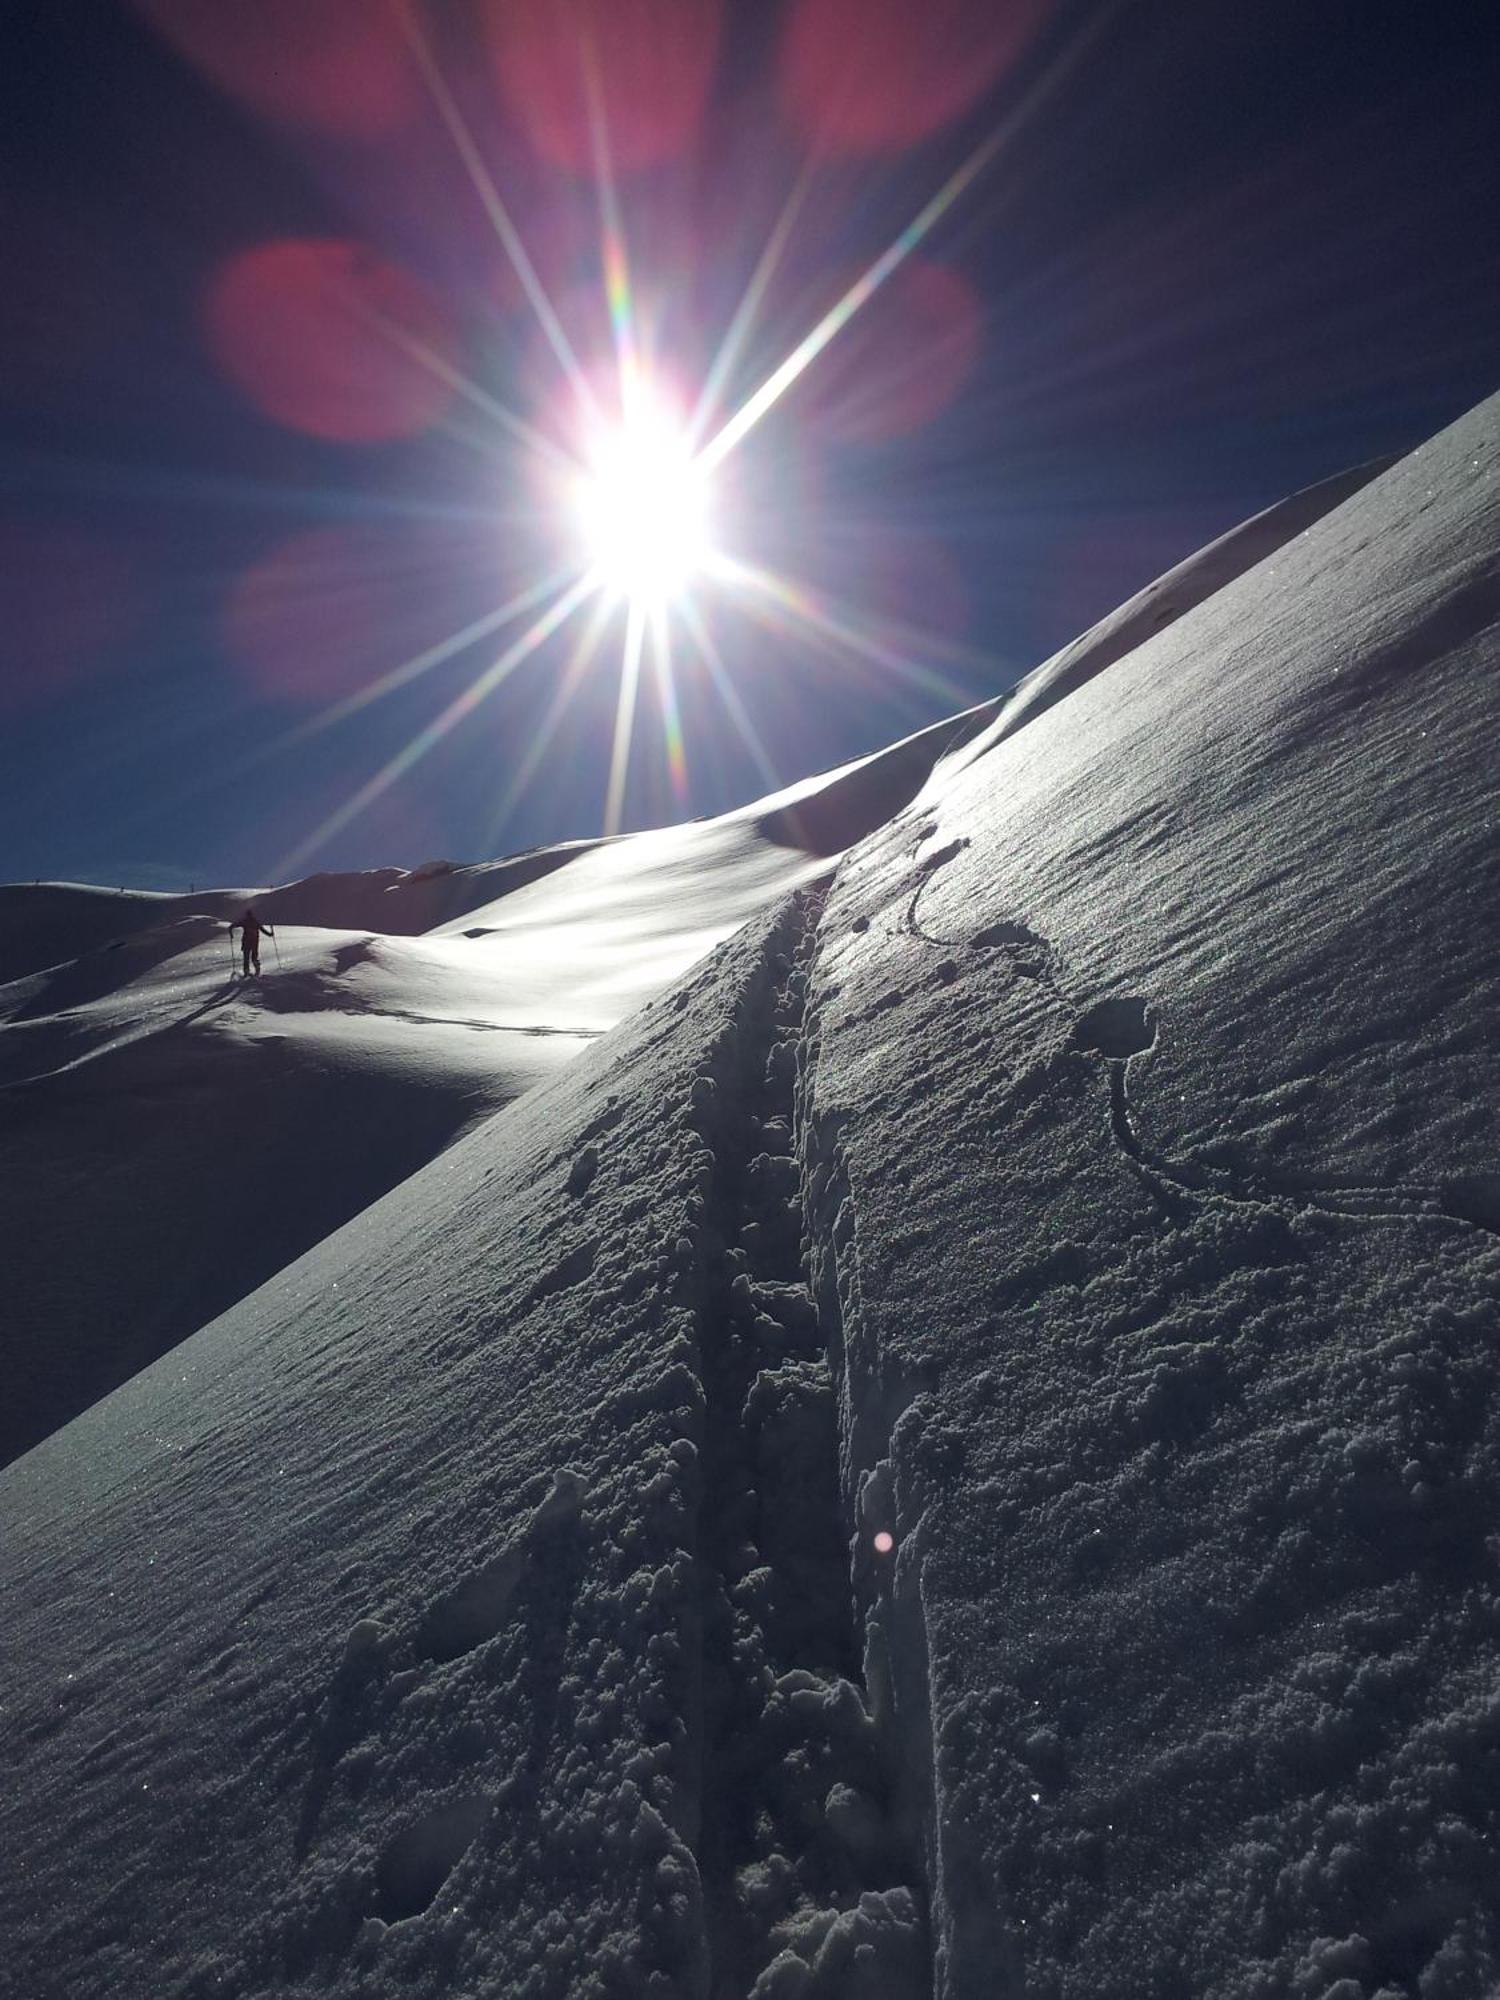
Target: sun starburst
point(630, 471)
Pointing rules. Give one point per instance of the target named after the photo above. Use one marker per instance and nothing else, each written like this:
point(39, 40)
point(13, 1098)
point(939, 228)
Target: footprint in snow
point(1118, 1028)
point(474, 1610)
point(421, 1857)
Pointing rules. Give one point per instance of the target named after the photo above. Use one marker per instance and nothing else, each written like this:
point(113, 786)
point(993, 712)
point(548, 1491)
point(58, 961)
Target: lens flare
point(655, 60)
point(337, 67)
point(329, 339)
point(876, 76)
point(617, 466)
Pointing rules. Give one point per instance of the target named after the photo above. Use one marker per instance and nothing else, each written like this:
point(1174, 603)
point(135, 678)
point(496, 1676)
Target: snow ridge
point(880, 1397)
point(808, 1877)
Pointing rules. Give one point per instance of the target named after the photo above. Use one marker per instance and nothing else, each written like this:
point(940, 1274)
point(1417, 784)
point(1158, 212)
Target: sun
point(629, 495)
point(642, 507)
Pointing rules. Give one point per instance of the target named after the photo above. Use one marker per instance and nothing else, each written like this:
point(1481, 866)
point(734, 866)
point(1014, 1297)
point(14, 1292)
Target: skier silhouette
point(251, 927)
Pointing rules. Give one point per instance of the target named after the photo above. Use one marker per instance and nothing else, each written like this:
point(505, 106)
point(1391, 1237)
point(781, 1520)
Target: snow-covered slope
point(419, 1577)
point(1182, 588)
point(173, 1135)
point(193, 1135)
point(168, 1144)
point(43, 924)
point(954, 1451)
point(1151, 1120)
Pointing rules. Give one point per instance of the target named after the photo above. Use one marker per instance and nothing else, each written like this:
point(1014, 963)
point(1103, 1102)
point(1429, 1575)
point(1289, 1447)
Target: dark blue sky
point(1224, 251)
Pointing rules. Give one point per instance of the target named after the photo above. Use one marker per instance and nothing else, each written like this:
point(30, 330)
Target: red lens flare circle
point(902, 359)
point(327, 338)
point(876, 76)
point(648, 66)
point(335, 66)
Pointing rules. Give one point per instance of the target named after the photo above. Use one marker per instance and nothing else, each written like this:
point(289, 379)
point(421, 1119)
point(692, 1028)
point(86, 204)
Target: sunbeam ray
point(804, 609)
point(579, 661)
point(864, 287)
point(421, 663)
point(838, 316)
point(612, 253)
point(702, 638)
point(666, 694)
point(901, 636)
point(619, 756)
point(489, 196)
point(743, 316)
point(428, 358)
point(215, 777)
point(535, 636)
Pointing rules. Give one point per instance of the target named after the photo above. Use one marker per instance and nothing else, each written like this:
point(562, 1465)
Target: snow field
point(955, 1451)
point(471, 1605)
point(341, 1667)
point(1154, 1093)
point(173, 1135)
point(1170, 597)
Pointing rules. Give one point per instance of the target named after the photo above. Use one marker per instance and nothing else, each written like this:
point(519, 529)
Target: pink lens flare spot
point(875, 76)
point(337, 66)
point(885, 1541)
point(326, 337)
point(631, 75)
point(902, 360)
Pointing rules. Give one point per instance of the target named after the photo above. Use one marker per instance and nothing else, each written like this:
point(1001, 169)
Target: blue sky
point(1212, 255)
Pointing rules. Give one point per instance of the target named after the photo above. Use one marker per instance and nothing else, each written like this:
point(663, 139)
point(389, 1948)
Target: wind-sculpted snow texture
point(195, 1131)
point(1153, 1078)
point(469, 1609)
point(1169, 597)
point(954, 1454)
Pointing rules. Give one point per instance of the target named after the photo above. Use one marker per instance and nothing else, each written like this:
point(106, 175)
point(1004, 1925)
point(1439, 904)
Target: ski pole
point(276, 946)
point(229, 940)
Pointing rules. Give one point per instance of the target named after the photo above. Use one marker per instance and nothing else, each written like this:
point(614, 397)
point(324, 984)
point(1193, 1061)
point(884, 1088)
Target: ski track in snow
point(627, 1718)
point(1122, 1031)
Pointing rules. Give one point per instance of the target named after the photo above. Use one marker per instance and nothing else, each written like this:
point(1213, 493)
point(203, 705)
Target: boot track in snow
point(806, 1872)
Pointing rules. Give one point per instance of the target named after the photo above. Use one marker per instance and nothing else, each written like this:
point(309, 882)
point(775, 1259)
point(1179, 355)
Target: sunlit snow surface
point(196, 1132)
point(1094, 1191)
